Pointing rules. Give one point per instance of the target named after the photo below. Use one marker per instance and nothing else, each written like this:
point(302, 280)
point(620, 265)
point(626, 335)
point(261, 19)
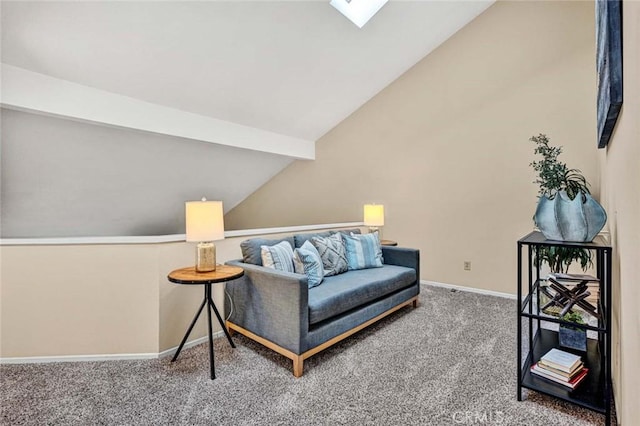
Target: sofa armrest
point(401, 256)
point(272, 304)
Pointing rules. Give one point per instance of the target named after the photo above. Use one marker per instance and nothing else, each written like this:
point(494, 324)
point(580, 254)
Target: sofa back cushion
point(251, 249)
point(300, 239)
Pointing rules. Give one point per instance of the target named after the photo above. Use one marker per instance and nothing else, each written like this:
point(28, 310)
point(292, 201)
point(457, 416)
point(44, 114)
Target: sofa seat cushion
point(340, 293)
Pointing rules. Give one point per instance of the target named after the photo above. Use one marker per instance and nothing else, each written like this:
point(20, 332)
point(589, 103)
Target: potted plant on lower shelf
point(573, 337)
point(559, 258)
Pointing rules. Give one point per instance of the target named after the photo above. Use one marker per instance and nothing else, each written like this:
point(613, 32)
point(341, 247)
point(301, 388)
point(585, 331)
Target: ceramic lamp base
point(205, 257)
point(373, 229)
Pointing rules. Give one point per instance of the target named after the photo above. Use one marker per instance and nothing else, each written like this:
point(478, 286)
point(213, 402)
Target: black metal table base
point(211, 306)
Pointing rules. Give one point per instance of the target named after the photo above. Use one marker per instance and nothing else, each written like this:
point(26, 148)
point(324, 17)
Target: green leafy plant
point(574, 317)
point(559, 258)
point(553, 175)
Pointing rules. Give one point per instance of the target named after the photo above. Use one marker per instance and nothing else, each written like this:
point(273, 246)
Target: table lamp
point(205, 224)
point(374, 217)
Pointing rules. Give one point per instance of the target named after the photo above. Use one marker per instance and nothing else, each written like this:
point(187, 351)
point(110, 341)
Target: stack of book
point(561, 367)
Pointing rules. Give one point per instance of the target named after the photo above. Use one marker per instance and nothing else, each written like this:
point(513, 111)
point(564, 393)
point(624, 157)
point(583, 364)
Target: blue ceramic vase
point(564, 219)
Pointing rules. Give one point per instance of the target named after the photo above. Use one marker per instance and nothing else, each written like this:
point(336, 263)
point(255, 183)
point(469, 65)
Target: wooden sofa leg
point(415, 303)
point(231, 331)
point(298, 366)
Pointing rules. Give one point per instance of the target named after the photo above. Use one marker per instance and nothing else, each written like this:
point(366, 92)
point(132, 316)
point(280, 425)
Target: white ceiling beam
point(29, 91)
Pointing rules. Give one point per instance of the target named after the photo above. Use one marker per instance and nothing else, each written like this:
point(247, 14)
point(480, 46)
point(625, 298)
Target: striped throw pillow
point(363, 251)
point(306, 260)
point(278, 257)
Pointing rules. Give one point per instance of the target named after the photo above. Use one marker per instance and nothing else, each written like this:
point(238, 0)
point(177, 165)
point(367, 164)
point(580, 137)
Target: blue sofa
point(278, 310)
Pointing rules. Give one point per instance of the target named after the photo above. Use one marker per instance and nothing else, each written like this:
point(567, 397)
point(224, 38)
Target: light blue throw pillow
point(306, 260)
point(278, 257)
point(363, 251)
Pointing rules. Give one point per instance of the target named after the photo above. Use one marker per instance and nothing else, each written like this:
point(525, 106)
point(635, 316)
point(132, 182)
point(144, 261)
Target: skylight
point(358, 11)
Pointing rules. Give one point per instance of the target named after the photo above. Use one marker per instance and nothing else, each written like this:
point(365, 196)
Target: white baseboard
point(189, 344)
point(470, 289)
point(104, 357)
point(75, 358)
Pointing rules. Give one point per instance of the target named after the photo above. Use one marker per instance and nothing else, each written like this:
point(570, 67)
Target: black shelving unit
point(594, 392)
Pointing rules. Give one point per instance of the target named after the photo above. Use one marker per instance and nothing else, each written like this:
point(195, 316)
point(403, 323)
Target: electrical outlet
point(467, 265)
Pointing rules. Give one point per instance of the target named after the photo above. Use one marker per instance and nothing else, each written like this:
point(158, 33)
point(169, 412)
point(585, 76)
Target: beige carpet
point(451, 361)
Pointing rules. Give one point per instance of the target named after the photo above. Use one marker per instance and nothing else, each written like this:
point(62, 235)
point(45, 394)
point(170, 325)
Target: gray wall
point(62, 178)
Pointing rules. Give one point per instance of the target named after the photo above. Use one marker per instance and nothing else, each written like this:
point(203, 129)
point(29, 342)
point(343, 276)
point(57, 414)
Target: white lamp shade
point(204, 220)
point(374, 215)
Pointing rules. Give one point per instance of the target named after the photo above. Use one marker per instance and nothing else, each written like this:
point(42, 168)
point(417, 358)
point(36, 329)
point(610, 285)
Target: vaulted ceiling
point(270, 76)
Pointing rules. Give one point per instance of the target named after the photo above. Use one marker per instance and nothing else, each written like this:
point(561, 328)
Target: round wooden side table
point(189, 276)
